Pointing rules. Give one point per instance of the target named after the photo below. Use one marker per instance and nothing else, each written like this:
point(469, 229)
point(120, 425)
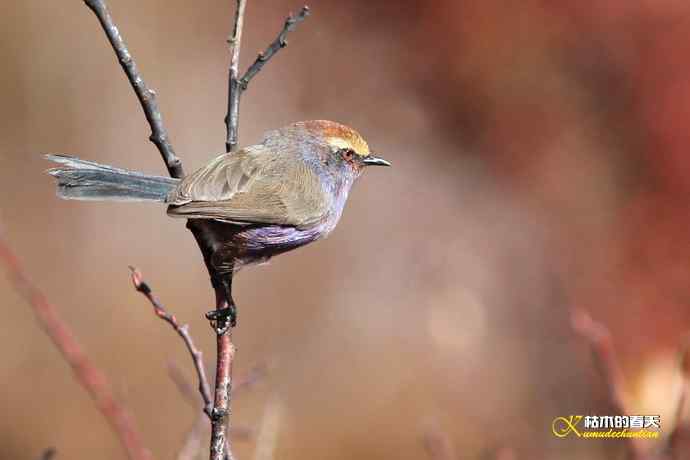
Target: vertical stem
point(232, 119)
point(225, 350)
point(220, 448)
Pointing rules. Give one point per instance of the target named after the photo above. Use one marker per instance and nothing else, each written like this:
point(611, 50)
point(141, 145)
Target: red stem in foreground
point(85, 372)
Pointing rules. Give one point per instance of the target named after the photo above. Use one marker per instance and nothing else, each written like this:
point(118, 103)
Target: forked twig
point(84, 370)
point(279, 43)
point(183, 331)
point(237, 85)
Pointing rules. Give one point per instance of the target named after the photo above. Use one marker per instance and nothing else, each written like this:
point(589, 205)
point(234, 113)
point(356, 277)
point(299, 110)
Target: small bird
point(263, 200)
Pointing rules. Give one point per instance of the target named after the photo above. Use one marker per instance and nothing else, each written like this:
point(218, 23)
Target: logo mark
point(563, 426)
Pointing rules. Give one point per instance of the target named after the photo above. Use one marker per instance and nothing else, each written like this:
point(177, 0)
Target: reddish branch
point(220, 448)
point(598, 337)
point(192, 444)
point(183, 331)
point(85, 372)
point(599, 340)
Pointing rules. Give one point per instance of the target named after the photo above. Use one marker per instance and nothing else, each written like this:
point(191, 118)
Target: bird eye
point(348, 154)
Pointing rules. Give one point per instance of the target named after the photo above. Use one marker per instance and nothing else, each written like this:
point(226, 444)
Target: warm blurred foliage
point(540, 164)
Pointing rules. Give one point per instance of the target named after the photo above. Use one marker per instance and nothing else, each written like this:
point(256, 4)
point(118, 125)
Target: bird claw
point(224, 319)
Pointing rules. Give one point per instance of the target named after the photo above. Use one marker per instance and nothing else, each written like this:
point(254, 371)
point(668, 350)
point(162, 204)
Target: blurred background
point(540, 165)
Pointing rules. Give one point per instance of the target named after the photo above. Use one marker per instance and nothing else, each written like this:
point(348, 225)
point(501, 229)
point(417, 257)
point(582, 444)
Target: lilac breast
point(261, 243)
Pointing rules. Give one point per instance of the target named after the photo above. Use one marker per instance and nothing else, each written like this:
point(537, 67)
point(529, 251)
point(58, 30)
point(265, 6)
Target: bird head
point(337, 146)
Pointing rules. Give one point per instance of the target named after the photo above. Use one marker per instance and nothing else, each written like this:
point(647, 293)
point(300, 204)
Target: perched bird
point(262, 200)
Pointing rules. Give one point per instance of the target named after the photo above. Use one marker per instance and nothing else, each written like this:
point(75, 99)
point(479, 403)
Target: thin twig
point(279, 43)
point(232, 119)
point(85, 372)
point(191, 448)
point(183, 331)
point(147, 97)
point(598, 337)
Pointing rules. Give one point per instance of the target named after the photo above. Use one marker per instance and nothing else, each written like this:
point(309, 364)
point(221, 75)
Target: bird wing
point(252, 186)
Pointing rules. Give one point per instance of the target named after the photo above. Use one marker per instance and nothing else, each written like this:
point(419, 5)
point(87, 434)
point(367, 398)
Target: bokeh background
point(541, 164)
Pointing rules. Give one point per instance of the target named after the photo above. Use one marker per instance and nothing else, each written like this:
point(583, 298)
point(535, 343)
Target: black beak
point(371, 160)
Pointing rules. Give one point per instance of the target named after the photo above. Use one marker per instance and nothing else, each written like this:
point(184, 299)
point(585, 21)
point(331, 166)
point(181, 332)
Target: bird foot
point(224, 319)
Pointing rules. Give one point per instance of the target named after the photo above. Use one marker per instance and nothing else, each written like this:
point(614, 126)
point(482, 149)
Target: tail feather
point(87, 180)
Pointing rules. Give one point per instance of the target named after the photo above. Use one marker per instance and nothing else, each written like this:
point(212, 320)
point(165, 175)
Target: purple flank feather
point(260, 243)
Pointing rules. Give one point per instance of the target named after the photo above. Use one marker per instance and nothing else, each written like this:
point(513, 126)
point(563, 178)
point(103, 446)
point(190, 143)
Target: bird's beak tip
point(375, 161)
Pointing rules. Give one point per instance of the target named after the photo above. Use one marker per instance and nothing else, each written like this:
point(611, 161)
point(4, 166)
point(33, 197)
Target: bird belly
point(258, 244)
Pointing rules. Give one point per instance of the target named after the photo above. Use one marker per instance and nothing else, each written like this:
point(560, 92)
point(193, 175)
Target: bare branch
point(598, 337)
point(220, 446)
point(191, 448)
point(85, 371)
point(279, 43)
point(237, 85)
point(194, 441)
point(232, 119)
point(183, 331)
point(147, 97)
